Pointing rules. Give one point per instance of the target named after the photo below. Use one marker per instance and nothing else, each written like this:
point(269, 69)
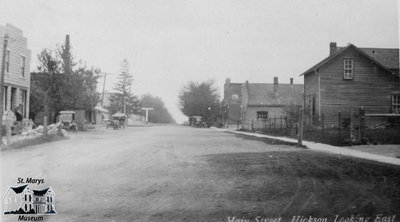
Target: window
point(348, 68)
point(313, 106)
point(263, 115)
point(396, 103)
point(8, 61)
point(22, 66)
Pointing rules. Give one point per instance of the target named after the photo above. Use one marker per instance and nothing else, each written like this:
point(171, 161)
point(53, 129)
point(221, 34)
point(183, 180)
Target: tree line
point(60, 83)
point(200, 99)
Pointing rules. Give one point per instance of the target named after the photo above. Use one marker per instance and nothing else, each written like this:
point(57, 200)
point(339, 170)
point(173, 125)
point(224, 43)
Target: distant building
point(106, 99)
point(261, 101)
point(231, 103)
point(351, 77)
point(17, 70)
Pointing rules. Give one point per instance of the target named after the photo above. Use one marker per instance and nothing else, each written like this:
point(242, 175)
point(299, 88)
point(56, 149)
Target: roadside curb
point(325, 148)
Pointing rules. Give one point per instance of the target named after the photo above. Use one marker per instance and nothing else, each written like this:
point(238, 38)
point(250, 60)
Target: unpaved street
point(175, 173)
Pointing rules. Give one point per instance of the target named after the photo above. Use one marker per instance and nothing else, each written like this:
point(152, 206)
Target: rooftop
point(387, 58)
point(263, 94)
point(19, 189)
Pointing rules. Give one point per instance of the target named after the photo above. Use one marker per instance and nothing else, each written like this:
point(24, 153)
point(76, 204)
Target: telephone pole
point(3, 67)
point(124, 105)
point(104, 86)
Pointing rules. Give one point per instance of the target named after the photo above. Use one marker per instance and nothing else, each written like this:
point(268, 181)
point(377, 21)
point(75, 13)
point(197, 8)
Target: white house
point(22, 199)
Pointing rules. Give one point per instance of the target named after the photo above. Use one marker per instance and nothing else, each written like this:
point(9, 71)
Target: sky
point(168, 43)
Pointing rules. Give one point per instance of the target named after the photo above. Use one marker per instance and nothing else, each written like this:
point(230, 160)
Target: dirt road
point(173, 173)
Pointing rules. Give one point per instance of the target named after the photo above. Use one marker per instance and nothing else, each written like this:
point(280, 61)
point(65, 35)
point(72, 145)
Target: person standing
point(19, 117)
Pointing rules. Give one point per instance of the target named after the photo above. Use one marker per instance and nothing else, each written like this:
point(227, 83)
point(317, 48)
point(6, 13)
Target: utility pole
point(124, 105)
point(3, 64)
point(300, 136)
point(104, 86)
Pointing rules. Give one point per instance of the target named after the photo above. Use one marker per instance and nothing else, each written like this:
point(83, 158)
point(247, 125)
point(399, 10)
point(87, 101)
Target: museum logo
point(23, 200)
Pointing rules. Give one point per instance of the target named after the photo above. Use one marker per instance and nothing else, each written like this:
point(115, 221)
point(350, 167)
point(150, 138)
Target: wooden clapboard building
point(351, 77)
point(17, 73)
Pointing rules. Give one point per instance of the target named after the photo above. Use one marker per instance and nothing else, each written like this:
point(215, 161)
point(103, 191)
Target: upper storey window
point(348, 69)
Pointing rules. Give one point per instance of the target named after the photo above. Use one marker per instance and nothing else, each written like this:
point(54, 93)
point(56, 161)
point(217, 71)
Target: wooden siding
point(371, 87)
point(311, 88)
point(17, 47)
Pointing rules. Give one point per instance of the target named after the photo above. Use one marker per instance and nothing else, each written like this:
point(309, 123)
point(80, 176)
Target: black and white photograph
point(200, 110)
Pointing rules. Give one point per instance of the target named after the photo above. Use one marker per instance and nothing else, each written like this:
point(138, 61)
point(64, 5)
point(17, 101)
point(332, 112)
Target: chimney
point(291, 81)
point(226, 88)
point(332, 48)
point(275, 87)
point(275, 80)
point(68, 63)
point(67, 41)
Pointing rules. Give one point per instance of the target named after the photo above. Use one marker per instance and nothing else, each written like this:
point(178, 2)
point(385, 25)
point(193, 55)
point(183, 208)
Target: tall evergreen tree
point(123, 99)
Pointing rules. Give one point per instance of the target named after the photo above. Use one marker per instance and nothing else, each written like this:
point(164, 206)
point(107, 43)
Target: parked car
point(67, 119)
point(118, 121)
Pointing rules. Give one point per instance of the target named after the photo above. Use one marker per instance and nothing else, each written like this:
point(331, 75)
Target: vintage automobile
point(118, 121)
point(108, 123)
point(67, 119)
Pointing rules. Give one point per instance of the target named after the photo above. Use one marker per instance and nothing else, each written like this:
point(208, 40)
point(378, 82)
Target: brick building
point(17, 70)
point(231, 103)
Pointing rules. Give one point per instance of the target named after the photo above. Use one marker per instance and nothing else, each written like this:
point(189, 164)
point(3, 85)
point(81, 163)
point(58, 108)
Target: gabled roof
point(40, 192)
point(19, 189)
point(262, 94)
point(387, 59)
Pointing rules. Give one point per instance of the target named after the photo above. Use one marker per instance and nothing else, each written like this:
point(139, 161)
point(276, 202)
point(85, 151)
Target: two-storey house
point(351, 77)
point(17, 70)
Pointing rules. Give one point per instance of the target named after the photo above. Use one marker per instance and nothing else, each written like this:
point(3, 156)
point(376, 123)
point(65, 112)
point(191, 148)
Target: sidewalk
point(326, 148)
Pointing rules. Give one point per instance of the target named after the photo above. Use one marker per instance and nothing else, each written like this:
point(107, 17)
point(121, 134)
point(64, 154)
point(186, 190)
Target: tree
point(123, 99)
point(160, 113)
point(43, 84)
point(200, 99)
point(59, 86)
